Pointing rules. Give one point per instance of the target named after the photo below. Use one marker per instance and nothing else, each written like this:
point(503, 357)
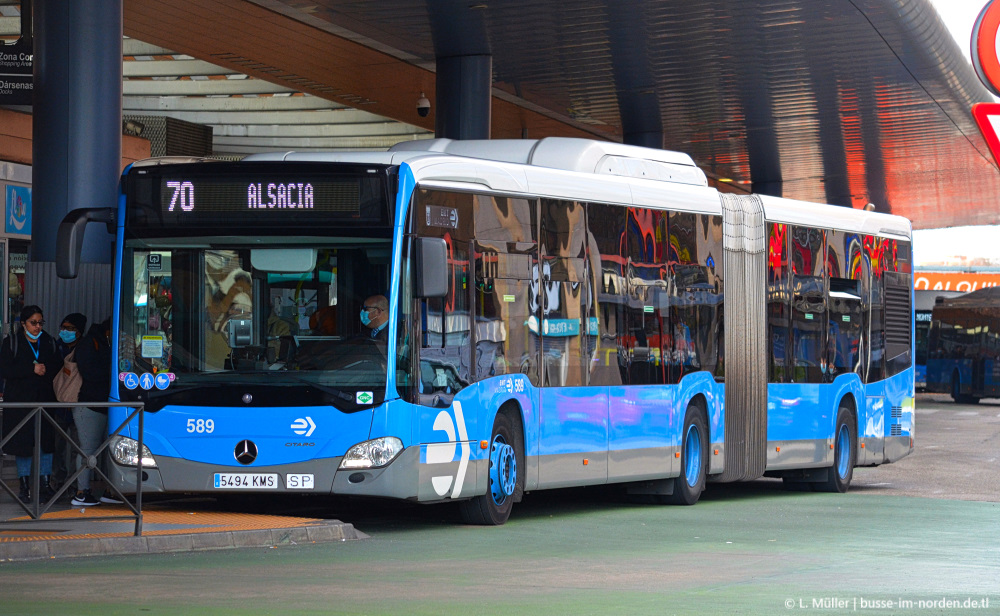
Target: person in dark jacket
point(64, 460)
point(29, 360)
point(93, 360)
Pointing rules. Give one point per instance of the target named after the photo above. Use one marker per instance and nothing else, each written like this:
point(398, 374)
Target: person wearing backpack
point(93, 360)
point(29, 360)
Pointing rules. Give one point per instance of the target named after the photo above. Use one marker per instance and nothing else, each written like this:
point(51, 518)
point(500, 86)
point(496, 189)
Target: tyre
point(956, 390)
point(689, 485)
point(845, 454)
point(506, 455)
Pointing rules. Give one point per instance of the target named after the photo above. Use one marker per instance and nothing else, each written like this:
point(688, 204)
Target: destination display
point(260, 195)
point(275, 196)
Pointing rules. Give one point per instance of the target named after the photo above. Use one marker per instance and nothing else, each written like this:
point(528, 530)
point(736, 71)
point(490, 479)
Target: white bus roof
point(580, 155)
point(584, 169)
point(824, 216)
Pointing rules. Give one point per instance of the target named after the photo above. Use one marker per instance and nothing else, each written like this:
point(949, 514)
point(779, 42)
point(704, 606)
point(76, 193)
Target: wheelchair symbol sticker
point(130, 380)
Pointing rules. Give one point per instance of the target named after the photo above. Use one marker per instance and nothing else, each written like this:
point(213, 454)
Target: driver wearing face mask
point(375, 316)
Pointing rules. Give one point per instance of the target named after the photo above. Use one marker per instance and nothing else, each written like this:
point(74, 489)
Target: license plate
point(246, 481)
point(299, 481)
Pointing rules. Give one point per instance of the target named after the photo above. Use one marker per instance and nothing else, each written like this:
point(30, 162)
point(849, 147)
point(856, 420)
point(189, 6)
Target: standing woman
point(29, 360)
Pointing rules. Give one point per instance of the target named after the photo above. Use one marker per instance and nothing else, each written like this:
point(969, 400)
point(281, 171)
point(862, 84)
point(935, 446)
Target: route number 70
point(183, 194)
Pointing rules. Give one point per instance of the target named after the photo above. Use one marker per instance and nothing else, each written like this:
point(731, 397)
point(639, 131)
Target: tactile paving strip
point(153, 520)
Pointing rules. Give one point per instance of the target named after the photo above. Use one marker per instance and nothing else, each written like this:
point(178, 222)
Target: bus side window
point(605, 236)
point(778, 299)
point(875, 356)
point(506, 249)
point(445, 362)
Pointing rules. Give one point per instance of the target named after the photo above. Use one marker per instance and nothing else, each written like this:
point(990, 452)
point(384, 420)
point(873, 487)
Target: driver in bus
point(375, 316)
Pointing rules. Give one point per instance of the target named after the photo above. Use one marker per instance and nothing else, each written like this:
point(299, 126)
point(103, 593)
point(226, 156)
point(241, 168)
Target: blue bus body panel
point(940, 371)
point(800, 411)
point(587, 436)
point(282, 435)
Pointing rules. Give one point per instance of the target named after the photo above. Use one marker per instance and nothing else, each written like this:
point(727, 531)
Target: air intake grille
point(897, 430)
point(897, 412)
point(897, 316)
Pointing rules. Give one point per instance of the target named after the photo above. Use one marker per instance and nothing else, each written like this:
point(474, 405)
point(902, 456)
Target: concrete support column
point(77, 124)
point(463, 93)
point(642, 123)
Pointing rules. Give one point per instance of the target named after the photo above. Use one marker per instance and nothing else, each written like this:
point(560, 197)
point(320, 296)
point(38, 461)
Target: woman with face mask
point(29, 360)
point(66, 387)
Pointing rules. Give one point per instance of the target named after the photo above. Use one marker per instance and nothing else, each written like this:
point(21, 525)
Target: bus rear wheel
point(844, 454)
point(493, 508)
point(689, 485)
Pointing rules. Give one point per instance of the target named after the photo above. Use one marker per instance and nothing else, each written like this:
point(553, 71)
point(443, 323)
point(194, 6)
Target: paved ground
point(926, 529)
point(956, 454)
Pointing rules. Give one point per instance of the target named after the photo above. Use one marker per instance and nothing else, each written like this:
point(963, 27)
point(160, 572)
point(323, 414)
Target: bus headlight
point(125, 451)
point(372, 454)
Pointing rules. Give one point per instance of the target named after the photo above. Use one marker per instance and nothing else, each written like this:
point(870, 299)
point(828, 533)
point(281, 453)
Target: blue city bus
point(560, 312)
point(922, 330)
point(963, 349)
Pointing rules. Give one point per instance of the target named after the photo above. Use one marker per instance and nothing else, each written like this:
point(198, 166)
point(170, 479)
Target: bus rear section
point(839, 323)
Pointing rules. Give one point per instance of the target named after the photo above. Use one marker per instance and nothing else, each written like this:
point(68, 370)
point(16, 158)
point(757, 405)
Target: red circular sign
point(984, 46)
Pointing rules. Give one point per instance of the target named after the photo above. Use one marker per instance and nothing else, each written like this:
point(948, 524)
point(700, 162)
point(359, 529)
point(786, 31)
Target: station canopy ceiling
point(837, 101)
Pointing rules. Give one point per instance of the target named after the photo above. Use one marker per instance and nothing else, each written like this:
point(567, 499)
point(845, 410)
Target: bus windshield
point(238, 311)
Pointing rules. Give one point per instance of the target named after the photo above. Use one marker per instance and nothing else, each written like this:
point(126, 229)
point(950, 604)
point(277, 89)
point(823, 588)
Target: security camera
point(423, 106)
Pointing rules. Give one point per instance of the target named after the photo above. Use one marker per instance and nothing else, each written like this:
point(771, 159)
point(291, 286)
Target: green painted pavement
point(742, 550)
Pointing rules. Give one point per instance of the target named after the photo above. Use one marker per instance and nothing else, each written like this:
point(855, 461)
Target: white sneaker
point(109, 498)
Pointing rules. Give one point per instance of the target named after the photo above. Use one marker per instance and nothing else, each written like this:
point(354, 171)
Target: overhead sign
point(16, 81)
point(954, 281)
point(984, 46)
point(17, 217)
point(987, 116)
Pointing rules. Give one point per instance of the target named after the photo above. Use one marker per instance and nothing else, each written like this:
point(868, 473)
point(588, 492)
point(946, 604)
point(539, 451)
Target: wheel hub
point(503, 470)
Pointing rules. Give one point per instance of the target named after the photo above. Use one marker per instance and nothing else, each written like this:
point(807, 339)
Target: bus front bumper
point(398, 479)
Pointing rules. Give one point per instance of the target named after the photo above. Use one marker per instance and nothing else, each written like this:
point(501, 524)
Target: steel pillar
point(463, 93)
point(77, 124)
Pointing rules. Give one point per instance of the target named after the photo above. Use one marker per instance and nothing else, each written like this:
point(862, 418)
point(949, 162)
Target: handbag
point(68, 381)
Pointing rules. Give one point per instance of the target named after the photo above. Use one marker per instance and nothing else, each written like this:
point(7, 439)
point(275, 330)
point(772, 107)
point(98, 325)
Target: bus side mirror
point(431, 267)
point(69, 241)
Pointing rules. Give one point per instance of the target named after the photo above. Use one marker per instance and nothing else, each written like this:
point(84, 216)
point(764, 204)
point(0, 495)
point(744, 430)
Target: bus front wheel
point(844, 454)
point(689, 485)
point(493, 508)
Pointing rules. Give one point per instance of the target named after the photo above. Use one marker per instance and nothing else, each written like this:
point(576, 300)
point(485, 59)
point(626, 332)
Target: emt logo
point(444, 453)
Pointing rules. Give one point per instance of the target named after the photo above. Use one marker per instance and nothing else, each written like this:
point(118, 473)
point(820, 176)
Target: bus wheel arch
point(505, 471)
point(694, 447)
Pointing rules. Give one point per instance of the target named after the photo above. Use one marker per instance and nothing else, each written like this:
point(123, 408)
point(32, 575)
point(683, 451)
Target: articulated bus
point(560, 312)
point(963, 349)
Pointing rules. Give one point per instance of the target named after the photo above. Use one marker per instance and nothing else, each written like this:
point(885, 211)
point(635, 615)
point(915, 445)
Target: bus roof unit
point(580, 155)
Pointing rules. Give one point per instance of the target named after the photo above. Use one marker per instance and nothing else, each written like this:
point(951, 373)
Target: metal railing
point(39, 412)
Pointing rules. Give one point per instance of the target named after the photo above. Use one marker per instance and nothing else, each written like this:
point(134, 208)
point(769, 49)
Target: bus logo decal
point(444, 453)
point(303, 427)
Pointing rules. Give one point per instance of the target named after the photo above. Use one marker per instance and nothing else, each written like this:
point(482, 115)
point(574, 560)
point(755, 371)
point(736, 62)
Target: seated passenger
point(323, 322)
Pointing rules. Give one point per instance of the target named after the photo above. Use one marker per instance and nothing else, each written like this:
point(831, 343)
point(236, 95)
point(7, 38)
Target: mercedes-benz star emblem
point(246, 452)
